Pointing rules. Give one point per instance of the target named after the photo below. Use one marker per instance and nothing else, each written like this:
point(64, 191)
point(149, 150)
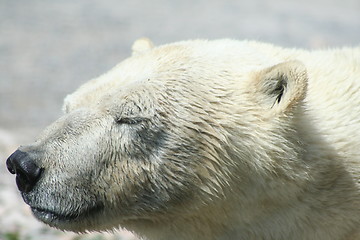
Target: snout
point(26, 170)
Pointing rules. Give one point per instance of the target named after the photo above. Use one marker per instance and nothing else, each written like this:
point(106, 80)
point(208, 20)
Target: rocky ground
point(48, 48)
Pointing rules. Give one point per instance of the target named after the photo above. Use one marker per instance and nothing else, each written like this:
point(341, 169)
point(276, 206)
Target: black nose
point(27, 173)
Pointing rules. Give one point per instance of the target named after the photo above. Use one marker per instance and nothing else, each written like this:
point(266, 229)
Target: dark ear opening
point(280, 87)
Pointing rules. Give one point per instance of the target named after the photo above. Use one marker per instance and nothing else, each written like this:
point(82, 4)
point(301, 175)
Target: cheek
point(138, 142)
point(146, 186)
point(143, 169)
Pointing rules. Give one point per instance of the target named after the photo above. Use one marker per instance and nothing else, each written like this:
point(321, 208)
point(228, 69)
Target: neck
point(313, 213)
point(312, 197)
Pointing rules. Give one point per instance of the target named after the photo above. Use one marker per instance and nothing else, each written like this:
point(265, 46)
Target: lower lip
point(49, 216)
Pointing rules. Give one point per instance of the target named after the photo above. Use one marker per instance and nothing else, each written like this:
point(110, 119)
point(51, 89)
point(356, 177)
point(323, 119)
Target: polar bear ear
point(282, 86)
point(141, 45)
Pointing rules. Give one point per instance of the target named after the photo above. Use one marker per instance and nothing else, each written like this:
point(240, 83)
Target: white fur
point(275, 134)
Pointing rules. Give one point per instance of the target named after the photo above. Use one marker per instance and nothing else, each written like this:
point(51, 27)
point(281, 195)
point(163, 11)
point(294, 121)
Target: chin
point(82, 221)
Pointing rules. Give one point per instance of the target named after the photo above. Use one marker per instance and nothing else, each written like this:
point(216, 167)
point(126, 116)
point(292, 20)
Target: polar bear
point(202, 139)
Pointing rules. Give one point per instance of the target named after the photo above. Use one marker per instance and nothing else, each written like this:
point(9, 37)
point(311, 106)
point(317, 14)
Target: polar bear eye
point(132, 120)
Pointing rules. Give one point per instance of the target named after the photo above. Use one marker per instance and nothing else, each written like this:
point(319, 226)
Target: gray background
point(48, 48)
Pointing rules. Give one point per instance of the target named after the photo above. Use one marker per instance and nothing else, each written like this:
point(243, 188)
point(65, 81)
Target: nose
point(27, 172)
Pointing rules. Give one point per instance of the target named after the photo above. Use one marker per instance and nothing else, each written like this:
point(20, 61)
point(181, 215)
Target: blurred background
point(48, 48)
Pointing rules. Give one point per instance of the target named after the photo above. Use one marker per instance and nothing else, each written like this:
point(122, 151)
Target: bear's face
point(125, 149)
point(118, 156)
point(162, 134)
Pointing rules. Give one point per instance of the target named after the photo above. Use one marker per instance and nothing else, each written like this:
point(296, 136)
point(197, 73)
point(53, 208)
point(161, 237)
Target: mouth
point(52, 217)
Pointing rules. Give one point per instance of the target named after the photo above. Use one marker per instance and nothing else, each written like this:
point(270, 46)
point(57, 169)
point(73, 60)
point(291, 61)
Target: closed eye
point(131, 120)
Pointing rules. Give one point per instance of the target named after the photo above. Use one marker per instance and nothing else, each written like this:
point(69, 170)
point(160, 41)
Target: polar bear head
point(165, 134)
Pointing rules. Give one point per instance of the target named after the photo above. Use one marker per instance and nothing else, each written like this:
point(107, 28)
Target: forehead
point(134, 73)
point(184, 64)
